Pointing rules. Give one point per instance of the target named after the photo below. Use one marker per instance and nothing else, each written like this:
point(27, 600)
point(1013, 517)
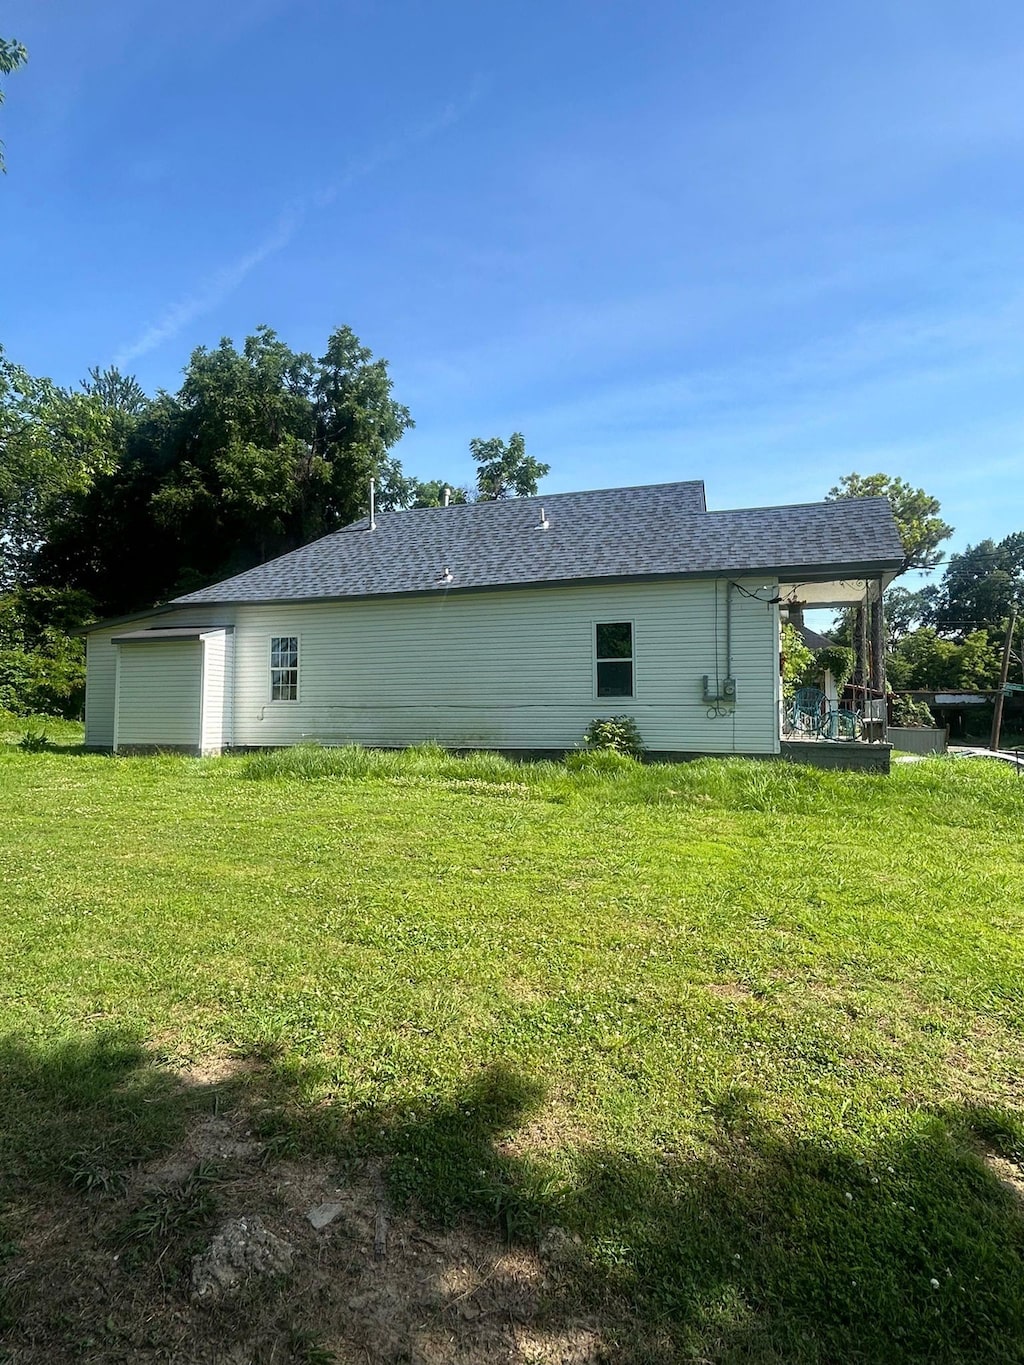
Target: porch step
point(870, 758)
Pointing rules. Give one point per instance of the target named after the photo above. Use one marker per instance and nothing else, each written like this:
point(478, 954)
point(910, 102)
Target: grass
point(752, 1033)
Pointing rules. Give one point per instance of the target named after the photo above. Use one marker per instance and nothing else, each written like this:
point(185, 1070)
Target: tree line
point(112, 500)
point(946, 636)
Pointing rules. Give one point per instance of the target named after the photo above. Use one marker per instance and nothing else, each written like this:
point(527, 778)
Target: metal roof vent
point(446, 575)
point(544, 523)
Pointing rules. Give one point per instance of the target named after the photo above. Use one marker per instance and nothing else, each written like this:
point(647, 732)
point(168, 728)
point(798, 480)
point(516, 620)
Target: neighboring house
point(815, 641)
point(498, 625)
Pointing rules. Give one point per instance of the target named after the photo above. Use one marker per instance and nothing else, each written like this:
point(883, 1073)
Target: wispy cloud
point(225, 281)
point(213, 291)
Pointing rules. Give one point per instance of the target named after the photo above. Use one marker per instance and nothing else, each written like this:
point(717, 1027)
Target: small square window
point(614, 645)
point(284, 668)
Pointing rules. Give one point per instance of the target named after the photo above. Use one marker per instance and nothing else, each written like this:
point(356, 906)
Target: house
point(499, 625)
point(814, 641)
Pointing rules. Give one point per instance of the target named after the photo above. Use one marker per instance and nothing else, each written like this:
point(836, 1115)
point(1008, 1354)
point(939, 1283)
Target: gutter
point(787, 573)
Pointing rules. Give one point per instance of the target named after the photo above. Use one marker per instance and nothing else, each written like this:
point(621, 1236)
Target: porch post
point(878, 643)
point(883, 682)
point(864, 677)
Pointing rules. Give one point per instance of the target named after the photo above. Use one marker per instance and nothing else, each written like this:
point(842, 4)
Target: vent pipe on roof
point(543, 519)
point(447, 495)
point(446, 575)
point(373, 520)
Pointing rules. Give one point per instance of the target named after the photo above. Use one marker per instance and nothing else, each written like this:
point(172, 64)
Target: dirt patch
point(733, 991)
point(556, 1127)
point(217, 1070)
point(1009, 1174)
point(90, 1280)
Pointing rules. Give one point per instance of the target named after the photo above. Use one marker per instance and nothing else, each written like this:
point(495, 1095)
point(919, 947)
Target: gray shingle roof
point(813, 639)
point(660, 530)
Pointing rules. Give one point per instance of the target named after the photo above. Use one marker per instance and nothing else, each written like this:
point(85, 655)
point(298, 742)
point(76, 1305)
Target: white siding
point(216, 719)
point(159, 689)
point(512, 669)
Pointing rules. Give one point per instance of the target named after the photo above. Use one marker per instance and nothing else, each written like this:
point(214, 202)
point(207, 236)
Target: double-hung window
point(284, 668)
point(614, 643)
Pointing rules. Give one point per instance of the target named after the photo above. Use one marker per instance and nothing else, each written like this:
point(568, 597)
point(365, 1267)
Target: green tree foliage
point(910, 713)
point(42, 669)
point(921, 530)
point(12, 55)
point(837, 660)
point(116, 391)
point(797, 659)
point(924, 661)
point(905, 610)
point(53, 445)
point(979, 587)
point(261, 450)
point(915, 512)
point(398, 491)
point(505, 471)
point(430, 493)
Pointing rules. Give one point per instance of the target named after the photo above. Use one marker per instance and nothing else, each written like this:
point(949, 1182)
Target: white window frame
point(284, 701)
point(608, 621)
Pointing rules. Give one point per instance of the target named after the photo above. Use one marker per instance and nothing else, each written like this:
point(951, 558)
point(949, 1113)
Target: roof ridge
point(795, 506)
point(532, 497)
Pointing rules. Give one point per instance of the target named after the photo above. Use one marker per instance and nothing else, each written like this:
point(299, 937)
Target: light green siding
point(101, 670)
point(512, 669)
point(100, 675)
point(159, 694)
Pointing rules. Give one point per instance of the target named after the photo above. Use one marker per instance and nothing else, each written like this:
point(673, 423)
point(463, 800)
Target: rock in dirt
point(243, 1248)
point(324, 1214)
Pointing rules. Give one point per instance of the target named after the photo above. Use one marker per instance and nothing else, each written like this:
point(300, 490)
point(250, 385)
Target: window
point(615, 659)
point(284, 668)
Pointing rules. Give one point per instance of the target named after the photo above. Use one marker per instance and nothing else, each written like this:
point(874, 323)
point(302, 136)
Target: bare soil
point(373, 1285)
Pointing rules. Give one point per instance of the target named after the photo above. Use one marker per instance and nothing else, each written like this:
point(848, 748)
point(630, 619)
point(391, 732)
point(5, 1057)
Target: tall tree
point(398, 491)
point(53, 444)
point(12, 55)
point(979, 587)
point(116, 391)
point(433, 493)
point(505, 471)
point(915, 512)
point(261, 450)
point(921, 530)
point(357, 423)
point(904, 611)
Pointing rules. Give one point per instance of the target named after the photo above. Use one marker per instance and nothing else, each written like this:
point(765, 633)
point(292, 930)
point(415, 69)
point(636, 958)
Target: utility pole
point(1004, 673)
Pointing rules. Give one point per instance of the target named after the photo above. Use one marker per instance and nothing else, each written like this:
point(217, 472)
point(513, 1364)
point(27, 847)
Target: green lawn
point(752, 1033)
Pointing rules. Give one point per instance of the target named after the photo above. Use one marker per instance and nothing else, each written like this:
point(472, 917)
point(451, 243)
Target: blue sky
point(761, 244)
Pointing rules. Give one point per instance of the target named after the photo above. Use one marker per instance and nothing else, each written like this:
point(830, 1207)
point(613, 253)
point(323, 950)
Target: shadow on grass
point(762, 1247)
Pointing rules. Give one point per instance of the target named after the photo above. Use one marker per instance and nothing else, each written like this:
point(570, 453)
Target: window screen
point(284, 668)
point(615, 659)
